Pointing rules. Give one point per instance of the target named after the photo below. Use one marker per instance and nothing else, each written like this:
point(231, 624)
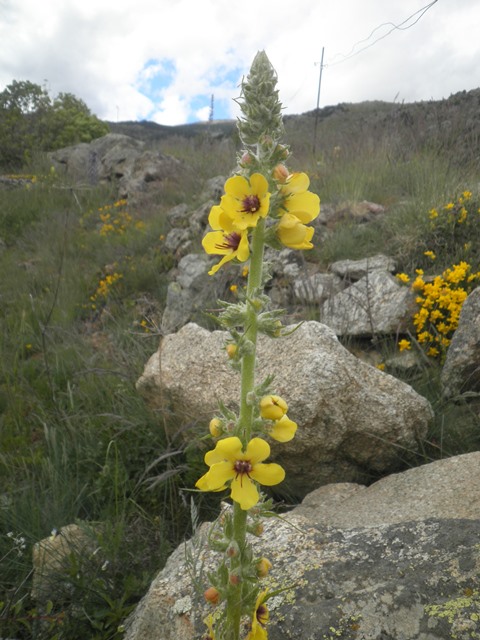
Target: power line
point(395, 27)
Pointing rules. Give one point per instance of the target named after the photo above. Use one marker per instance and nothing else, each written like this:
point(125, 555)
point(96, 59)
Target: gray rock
point(448, 488)
point(355, 269)
point(382, 578)
point(353, 419)
point(316, 288)
point(376, 304)
point(188, 292)
point(117, 158)
point(111, 151)
point(176, 239)
point(461, 371)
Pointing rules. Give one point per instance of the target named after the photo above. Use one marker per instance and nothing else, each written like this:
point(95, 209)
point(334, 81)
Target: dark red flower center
point(242, 467)
point(262, 614)
point(251, 204)
point(230, 241)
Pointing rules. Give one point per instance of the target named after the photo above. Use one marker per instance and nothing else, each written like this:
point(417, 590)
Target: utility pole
point(210, 115)
point(318, 103)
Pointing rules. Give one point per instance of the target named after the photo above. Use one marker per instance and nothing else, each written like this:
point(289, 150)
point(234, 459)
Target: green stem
point(248, 360)
point(234, 601)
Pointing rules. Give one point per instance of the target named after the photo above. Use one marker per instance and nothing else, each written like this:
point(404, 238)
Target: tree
point(31, 121)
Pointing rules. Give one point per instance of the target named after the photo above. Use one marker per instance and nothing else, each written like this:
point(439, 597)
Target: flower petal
point(244, 492)
point(283, 430)
point(219, 474)
point(213, 243)
point(258, 450)
point(306, 204)
point(219, 220)
point(237, 187)
point(268, 474)
point(296, 183)
point(230, 447)
point(243, 251)
point(259, 185)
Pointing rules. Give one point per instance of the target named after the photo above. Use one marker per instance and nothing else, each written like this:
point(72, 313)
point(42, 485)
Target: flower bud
point(212, 595)
point(215, 427)
point(232, 549)
point(257, 529)
point(231, 350)
point(234, 579)
point(263, 567)
point(280, 173)
point(246, 159)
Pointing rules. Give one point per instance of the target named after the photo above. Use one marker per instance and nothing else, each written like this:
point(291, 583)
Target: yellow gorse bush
point(105, 287)
point(440, 301)
point(439, 297)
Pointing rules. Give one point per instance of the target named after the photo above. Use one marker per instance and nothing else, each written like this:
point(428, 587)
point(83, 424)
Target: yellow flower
point(273, 407)
point(259, 619)
point(404, 345)
point(433, 213)
point(403, 278)
point(283, 430)
point(225, 240)
point(246, 201)
point(293, 234)
point(298, 201)
point(429, 254)
point(228, 463)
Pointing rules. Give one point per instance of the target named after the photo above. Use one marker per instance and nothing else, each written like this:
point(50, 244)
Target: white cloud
point(112, 54)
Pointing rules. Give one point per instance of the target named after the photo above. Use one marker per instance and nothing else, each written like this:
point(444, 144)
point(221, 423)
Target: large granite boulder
point(389, 562)
point(354, 420)
point(461, 371)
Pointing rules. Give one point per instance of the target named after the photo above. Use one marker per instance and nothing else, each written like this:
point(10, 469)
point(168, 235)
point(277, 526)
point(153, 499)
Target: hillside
point(450, 124)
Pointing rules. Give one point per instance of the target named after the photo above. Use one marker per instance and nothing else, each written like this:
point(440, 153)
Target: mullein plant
point(264, 204)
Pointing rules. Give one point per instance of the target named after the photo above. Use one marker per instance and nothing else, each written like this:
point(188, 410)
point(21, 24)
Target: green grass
point(77, 443)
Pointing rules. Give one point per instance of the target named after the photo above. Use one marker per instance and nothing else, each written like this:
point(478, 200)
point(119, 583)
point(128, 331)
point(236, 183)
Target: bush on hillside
point(30, 121)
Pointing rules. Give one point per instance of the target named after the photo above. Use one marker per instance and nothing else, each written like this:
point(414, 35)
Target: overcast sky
point(162, 60)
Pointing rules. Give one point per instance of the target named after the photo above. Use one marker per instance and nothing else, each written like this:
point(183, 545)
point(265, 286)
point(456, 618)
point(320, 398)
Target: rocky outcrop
point(377, 304)
point(461, 372)
point(119, 159)
point(353, 419)
point(403, 566)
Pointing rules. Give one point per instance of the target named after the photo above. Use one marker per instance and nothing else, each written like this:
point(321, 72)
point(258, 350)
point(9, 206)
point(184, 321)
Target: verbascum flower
point(226, 239)
point(298, 200)
point(283, 430)
point(259, 619)
point(293, 233)
point(246, 201)
point(273, 407)
point(228, 463)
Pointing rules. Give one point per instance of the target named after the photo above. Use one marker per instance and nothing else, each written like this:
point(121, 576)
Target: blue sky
point(162, 60)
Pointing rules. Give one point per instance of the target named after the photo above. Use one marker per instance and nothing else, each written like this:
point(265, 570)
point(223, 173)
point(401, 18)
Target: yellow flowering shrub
point(440, 301)
point(450, 235)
